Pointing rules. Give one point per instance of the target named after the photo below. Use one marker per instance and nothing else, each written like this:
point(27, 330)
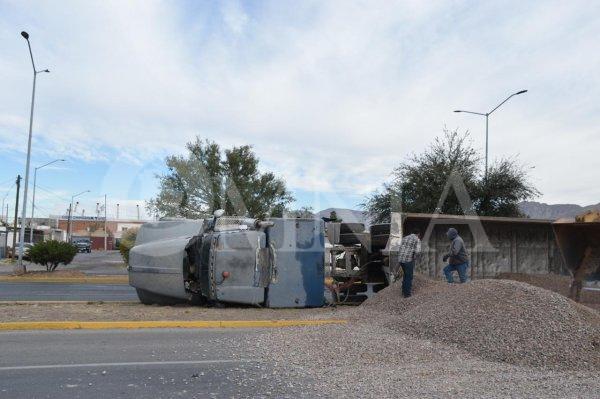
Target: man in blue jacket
point(457, 257)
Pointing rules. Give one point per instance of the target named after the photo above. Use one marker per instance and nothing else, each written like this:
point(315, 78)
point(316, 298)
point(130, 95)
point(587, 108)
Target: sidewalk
point(52, 315)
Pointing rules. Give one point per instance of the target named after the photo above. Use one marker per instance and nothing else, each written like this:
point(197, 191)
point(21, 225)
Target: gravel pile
point(445, 342)
point(498, 320)
point(556, 283)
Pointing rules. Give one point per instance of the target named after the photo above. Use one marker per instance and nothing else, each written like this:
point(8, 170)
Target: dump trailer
point(276, 263)
point(579, 243)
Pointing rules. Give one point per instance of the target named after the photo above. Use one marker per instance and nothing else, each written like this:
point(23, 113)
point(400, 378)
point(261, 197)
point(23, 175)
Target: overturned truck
point(275, 263)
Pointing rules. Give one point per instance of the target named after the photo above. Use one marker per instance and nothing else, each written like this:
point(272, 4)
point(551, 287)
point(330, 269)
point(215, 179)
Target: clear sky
point(331, 94)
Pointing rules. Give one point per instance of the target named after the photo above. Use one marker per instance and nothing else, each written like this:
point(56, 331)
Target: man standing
point(410, 247)
point(457, 257)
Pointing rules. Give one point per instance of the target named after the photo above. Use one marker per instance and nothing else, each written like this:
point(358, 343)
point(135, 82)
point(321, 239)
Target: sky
point(332, 95)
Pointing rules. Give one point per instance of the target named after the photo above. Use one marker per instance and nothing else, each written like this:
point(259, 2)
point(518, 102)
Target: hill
point(540, 210)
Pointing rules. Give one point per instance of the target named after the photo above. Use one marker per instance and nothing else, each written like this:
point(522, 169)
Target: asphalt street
point(12, 291)
point(139, 364)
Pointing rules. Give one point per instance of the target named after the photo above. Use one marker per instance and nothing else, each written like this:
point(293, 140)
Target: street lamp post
point(19, 267)
point(487, 118)
point(33, 196)
point(70, 223)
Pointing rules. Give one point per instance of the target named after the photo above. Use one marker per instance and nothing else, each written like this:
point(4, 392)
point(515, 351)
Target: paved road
point(66, 292)
point(139, 364)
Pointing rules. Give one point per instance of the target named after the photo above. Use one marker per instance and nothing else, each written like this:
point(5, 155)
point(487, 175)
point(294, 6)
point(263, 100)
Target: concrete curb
point(109, 325)
point(117, 280)
point(134, 302)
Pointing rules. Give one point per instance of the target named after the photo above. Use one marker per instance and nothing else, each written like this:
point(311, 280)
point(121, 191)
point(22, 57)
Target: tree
point(305, 212)
point(419, 183)
point(126, 243)
point(505, 187)
point(208, 178)
point(52, 253)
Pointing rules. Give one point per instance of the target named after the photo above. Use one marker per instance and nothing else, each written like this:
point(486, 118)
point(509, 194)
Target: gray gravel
point(498, 320)
point(367, 358)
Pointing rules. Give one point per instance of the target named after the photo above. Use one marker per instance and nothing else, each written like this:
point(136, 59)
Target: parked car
point(83, 245)
point(26, 247)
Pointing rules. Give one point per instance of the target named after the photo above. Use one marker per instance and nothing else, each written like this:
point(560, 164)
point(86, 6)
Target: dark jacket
point(457, 254)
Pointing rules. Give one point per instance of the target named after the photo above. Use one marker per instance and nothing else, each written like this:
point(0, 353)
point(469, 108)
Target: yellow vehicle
point(579, 243)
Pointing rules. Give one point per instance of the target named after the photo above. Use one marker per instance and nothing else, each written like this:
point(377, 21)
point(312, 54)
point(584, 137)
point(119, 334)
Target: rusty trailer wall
point(496, 245)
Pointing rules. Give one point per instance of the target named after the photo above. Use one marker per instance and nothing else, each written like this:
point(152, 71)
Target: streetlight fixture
point(19, 267)
point(33, 199)
point(487, 116)
point(70, 224)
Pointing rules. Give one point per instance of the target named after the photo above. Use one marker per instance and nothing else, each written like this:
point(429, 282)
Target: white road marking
point(121, 364)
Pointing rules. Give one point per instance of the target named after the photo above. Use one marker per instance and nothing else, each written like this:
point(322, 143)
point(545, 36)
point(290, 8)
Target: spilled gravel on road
point(497, 320)
point(489, 338)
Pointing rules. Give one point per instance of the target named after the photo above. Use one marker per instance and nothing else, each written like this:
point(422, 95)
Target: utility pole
point(69, 222)
point(6, 235)
point(14, 243)
point(105, 235)
point(138, 211)
point(20, 267)
point(487, 120)
point(33, 200)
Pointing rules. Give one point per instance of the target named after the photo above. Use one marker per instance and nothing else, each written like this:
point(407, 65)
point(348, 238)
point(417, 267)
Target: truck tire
point(197, 300)
point(150, 298)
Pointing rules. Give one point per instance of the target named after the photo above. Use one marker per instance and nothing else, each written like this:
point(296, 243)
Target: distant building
point(93, 228)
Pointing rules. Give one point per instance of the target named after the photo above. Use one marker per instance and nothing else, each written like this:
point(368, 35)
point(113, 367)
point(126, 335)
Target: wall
point(90, 228)
point(98, 243)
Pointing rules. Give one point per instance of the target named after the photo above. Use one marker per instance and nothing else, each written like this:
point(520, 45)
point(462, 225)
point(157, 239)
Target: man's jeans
point(461, 269)
point(408, 269)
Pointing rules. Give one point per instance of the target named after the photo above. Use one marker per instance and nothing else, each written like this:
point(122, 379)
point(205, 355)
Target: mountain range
point(540, 210)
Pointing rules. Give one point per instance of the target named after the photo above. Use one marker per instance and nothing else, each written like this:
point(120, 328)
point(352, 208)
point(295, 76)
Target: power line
point(12, 179)
point(53, 193)
point(9, 190)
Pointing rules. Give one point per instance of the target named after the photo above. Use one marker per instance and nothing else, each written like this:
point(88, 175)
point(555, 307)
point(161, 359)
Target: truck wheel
point(197, 300)
point(150, 298)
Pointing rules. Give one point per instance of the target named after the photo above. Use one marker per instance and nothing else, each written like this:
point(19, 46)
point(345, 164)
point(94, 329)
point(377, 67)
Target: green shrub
point(126, 243)
point(52, 253)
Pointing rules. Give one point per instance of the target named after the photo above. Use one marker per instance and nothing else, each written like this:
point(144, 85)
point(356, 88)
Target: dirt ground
point(96, 262)
point(134, 311)
point(39, 274)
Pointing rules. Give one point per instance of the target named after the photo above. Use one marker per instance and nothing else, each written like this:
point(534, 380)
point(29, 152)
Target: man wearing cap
point(457, 257)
